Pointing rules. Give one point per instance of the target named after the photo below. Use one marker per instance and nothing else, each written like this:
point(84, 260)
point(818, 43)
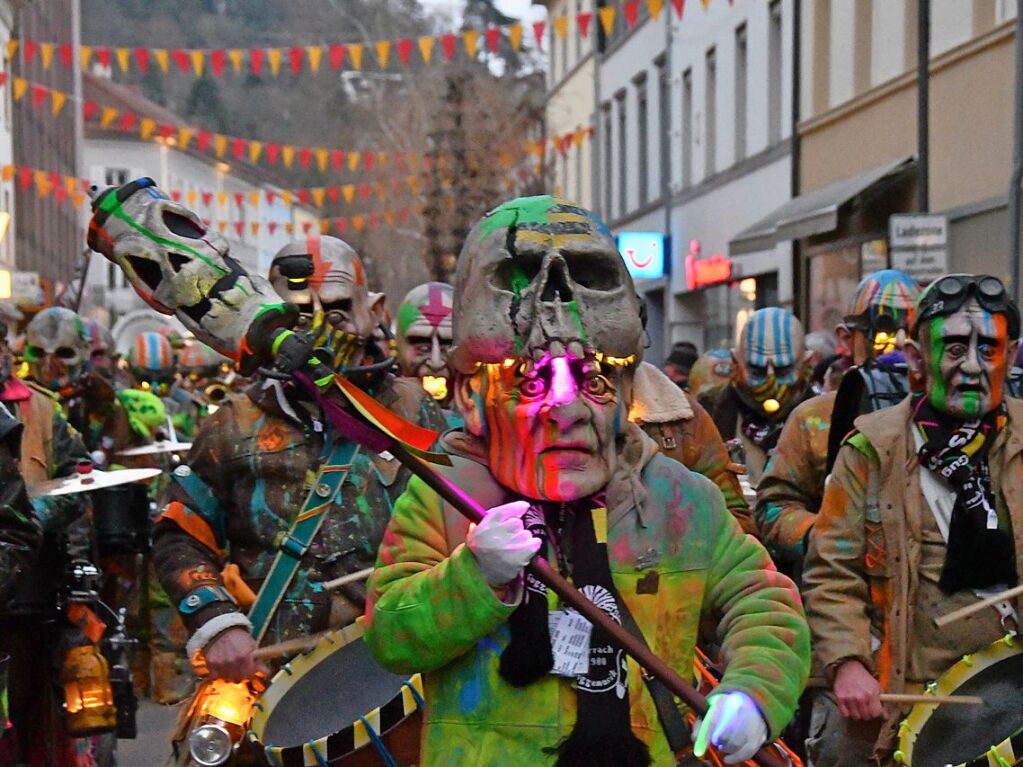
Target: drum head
point(957, 735)
point(321, 696)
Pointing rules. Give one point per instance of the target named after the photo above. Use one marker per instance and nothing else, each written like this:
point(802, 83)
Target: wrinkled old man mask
point(56, 348)
point(424, 337)
point(771, 370)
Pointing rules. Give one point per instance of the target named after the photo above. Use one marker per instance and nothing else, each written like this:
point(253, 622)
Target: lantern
point(88, 696)
point(221, 711)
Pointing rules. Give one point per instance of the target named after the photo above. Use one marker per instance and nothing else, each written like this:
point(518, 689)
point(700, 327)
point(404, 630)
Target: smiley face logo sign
point(643, 253)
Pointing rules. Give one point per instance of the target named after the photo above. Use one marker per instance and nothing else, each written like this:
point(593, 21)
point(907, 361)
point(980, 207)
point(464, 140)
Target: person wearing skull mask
point(547, 336)
point(423, 336)
point(260, 460)
point(790, 491)
point(771, 376)
point(922, 513)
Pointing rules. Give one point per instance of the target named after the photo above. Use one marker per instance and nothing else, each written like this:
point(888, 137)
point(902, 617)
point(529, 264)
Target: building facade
point(7, 19)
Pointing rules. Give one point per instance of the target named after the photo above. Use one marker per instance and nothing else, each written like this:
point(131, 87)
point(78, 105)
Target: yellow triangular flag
point(146, 128)
point(383, 52)
point(12, 48)
point(220, 145)
point(46, 54)
point(288, 155)
point(357, 222)
point(706, 4)
point(413, 184)
point(353, 161)
point(515, 36)
point(254, 199)
point(355, 51)
point(222, 199)
point(20, 87)
point(70, 184)
point(108, 117)
point(315, 54)
point(254, 226)
point(123, 55)
point(318, 193)
point(322, 158)
point(255, 150)
point(235, 55)
point(42, 183)
point(426, 48)
point(184, 137)
point(84, 55)
point(7, 173)
point(190, 198)
point(274, 56)
point(655, 7)
point(198, 61)
point(607, 18)
point(162, 59)
point(324, 226)
point(222, 225)
point(289, 228)
point(471, 38)
point(286, 198)
point(58, 100)
point(389, 217)
point(348, 190)
point(561, 27)
point(78, 199)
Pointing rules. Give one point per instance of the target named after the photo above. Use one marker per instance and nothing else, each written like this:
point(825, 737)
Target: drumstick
point(962, 612)
point(963, 700)
point(337, 583)
point(301, 644)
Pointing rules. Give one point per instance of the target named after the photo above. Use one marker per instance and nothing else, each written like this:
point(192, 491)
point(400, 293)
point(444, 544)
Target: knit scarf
point(978, 555)
point(602, 736)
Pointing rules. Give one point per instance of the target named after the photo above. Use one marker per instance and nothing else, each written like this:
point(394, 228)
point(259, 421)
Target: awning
point(813, 213)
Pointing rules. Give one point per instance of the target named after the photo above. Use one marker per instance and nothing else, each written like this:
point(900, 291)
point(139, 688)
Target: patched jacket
point(430, 609)
point(259, 455)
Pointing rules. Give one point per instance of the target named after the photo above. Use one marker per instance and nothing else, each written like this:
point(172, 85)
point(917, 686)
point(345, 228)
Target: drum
point(37, 591)
point(335, 705)
point(121, 519)
point(970, 736)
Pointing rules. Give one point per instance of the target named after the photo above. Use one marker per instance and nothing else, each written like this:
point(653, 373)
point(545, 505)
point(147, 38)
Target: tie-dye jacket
point(260, 461)
point(863, 567)
point(792, 486)
point(677, 556)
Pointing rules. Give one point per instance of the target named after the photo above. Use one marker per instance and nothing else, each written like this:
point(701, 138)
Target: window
point(112, 275)
point(664, 126)
point(607, 161)
point(116, 176)
point(563, 42)
point(740, 92)
point(710, 116)
point(575, 30)
point(623, 146)
point(774, 54)
point(579, 172)
point(687, 127)
point(644, 140)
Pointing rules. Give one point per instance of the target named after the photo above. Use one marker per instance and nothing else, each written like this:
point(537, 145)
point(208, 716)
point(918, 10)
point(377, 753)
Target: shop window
point(623, 147)
point(642, 139)
point(664, 126)
point(607, 160)
point(710, 121)
point(774, 73)
point(116, 176)
point(833, 279)
point(687, 128)
point(740, 92)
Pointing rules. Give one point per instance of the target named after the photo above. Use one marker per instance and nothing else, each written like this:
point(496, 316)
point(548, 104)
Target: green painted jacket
point(430, 610)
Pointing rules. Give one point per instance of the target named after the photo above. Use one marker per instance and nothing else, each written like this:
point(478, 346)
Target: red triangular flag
point(493, 38)
point(239, 199)
point(182, 60)
point(302, 195)
point(30, 49)
point(364, 191)
point(306, 226)
point(202, 140)
point(168, 129)
point(176, 195)
point(128, 122)
point(217, 60)
point(25, 178)
point(142, 59)
point(39, 94)
point(102, 56)
point(403, 215)
point(272, 226)
point(239, 226)
point(582, 20)
point(270, 197)
point(337, 56)
point(368, 158)
point(374, 219)
point(447, 44)
point(207, 198)
point(89, 111)
point(305, 156)
point(404, 47)
point(337, 160)
point(3, 79)
point(631, 12)
point(238, 147)
point(273, 151)
point(256, 56)
point(295, 55)
point(680, 7)
point(66, 55)
point(341, 224)
point(399, 161)
point(59, 192)
point(333, 194)
point(538, 30)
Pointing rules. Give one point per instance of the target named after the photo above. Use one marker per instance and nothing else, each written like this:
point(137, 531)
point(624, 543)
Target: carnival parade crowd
point(458, 535)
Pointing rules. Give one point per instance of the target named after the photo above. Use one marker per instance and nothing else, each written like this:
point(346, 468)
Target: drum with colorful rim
point(989, 735)
point(335, 705)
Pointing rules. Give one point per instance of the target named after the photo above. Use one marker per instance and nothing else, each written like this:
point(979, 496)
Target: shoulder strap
point(296, 542)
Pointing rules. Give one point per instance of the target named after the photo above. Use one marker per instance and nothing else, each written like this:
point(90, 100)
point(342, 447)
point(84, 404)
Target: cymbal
point(92, 480)
point(163, 446)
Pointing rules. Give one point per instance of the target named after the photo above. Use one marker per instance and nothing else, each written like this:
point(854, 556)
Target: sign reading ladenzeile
point(918, 244)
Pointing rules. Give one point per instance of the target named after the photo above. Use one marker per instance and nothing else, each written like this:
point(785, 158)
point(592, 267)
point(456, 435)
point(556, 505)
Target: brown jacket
point(863, 566)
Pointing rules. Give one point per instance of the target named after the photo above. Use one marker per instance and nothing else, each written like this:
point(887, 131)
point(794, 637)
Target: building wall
point(7, 247)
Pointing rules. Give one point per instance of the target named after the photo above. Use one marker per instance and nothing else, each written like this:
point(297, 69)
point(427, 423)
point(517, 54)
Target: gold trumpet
point(216, 393)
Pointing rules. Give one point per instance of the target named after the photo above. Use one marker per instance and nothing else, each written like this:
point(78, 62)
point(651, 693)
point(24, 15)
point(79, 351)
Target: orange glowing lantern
point(88, 697)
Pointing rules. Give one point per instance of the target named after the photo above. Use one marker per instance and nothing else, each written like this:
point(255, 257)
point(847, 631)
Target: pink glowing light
point(563, 388)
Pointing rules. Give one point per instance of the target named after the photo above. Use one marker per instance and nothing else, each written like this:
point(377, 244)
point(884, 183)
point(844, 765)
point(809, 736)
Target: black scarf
point(977, 556)
point(602, 736)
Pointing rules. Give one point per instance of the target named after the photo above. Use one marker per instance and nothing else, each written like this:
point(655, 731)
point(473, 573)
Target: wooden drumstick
point(963, 612)
point(337, 583)
point(289, 647)
point(963, 700)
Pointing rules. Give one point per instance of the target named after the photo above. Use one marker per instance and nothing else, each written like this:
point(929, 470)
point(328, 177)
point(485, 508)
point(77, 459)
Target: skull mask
point(56, 349)
point(537, 275)
point(424, 337)
point(325, 277)
point(152, 359)
point(771, 373)
point(177, 266)
point(101, 347)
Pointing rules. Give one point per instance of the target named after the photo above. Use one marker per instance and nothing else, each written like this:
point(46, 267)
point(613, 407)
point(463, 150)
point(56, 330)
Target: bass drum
point(970, 736)
point(335, 705)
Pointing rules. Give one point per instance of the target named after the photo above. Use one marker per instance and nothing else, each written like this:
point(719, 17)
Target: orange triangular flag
point(413, 184)
point(355, 51)
point(254, 199)
point(46, 54)
point(515, 36)
point(7, 173)
point(353, 161)
point(324, 226)
point(607, 18)
point(426, 48)
point(655, 7)
point(318, 195)
point(222, 199)
point(255, 228)
point(235, 55)
point(288, 155)
point(146, 128)
point(471, 38)
point(348, 190)
point(123, 56)
point(383, 52)
point(198, 61)
point(389, 217)
point(255, 150)
point(20, 88)
point(162, 59)
point(315, 54)
point(357, 222)
point(222, 226)
point(84, 55)
point(220, 145)
point(190, 198)
point(108, 116)
point(286, 198)
point(78, 199)
point(185, 137)
point(12, 48)
point(322, 158)
point(561, 27)
point(42, 183)
point(274, 56)
point(58, 100)
point(706, 4)
point(289, 227)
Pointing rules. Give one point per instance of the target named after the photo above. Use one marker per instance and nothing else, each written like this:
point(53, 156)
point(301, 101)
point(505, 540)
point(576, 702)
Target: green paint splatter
point(939, 394)
point(522, 210)
point(573, 311)
point(519, 282)
point(407, 314)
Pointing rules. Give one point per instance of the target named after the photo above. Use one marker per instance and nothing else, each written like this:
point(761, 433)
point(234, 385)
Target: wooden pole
point(991, 601)
point(337, 583)
point(936, 700)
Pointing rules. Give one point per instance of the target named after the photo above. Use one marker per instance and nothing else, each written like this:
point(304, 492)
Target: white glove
point(501, 544)
point(733, 725)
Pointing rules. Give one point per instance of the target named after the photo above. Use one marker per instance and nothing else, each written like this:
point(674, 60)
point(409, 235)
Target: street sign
point(918, 244)
point(25, 287)
point(643, 253)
